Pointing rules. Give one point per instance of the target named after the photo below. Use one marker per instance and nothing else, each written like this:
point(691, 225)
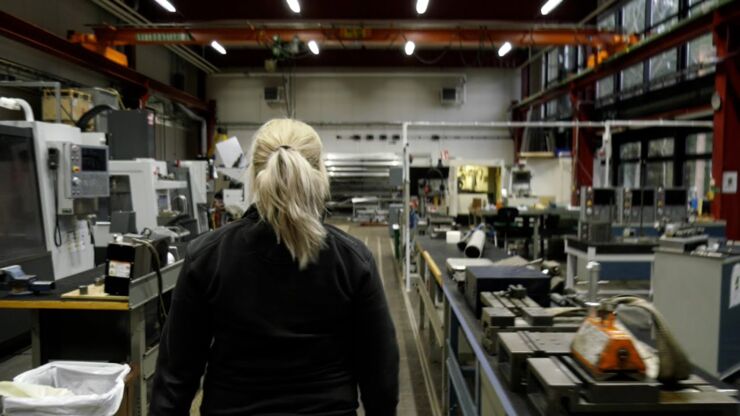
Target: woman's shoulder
point(349, 244)
point(206, 242)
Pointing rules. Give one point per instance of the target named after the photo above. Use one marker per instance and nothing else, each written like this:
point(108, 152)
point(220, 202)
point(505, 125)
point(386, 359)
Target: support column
point(726, 147)
point(583, 148)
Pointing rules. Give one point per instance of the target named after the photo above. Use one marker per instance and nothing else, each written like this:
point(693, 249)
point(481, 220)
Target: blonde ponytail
point(290, 186)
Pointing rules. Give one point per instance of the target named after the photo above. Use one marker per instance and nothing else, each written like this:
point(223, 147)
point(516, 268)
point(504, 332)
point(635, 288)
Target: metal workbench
point(619, 261)
point(99, 330)
point(472, 383)
point(538, 215)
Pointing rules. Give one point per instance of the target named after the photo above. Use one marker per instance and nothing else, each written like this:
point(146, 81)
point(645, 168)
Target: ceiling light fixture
point(313, 47)
point(166, 5)
point(504, 49)
point(421, 6)
point(294, 6)
point(409, 47)
point(218, 47)
point(549, 6)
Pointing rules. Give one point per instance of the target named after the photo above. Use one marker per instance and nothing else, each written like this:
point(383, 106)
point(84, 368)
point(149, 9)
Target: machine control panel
point(671, 204)
point(85, 173)
point(636, 205)
point(597, 204)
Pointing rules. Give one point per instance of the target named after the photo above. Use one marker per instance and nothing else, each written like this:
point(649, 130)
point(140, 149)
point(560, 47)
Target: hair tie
point(286, 147)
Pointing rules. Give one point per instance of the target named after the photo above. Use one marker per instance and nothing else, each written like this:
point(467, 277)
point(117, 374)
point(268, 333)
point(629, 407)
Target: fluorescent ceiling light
point(421, 6)
point(409, 47)
point(549, 6)
point(166, 5)
point(504, 49)
point(294, 6)
point(218, 47)
point(313, 47)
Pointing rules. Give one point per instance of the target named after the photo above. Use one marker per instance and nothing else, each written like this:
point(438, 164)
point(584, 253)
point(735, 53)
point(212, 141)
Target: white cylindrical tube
point(477, 241)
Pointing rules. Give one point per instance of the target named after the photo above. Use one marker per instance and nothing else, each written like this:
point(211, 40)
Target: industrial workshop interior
point(369, 207)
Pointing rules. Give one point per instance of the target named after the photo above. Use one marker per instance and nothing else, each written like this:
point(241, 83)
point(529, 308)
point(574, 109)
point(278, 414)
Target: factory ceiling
point(443, 13)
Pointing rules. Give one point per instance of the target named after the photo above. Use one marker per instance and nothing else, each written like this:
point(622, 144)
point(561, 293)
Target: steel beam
point(40, 39)
point(726, 145)
point(348, 37)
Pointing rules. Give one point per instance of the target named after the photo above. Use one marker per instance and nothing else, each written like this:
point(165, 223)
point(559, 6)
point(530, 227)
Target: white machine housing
point(76, 189)
point(149, 192)
point(198, 190)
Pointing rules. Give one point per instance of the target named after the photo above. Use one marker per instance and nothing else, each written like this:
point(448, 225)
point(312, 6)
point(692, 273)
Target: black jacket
point(274, 340)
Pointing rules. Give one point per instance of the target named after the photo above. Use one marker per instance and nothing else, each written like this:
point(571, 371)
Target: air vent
point(274, 95)
point(451, 95)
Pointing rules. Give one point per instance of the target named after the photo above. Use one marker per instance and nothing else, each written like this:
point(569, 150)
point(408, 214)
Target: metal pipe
point(475, 246)
point(407, 203)
point(460, 75)
point(607, 145)
point(42, 84)
point(17, 104)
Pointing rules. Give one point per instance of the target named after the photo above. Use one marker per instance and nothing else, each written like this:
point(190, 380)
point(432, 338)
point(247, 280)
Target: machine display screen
point(21, 225)
point(603, 197)
point(94, 160)
point(677, 197)
point(645, 198)
point(521, 177)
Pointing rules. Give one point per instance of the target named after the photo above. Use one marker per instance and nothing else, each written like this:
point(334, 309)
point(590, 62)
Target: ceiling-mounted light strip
point(294, 6)
point(409, 47)
point(166, 5)
point(549, 6)
point(313, 47)
point(421, 6)
point(218, 47)
point(504, 49)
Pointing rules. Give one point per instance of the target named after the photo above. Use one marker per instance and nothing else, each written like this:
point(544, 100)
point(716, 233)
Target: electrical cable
point(161, 309)
point(674, 363)
point(57, 228)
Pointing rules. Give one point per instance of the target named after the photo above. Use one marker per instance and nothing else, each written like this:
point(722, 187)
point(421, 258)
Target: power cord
point(53, 165)
point(161, 310)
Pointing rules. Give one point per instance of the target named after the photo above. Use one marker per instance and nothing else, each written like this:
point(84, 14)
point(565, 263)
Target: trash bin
point(97, 389)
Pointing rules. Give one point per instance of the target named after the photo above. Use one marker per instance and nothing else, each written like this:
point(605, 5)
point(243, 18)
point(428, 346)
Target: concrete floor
point(413, 395)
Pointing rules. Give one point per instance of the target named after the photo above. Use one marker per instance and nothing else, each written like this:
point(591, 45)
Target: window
point(662, 66)
point(605, 87)
point(700, 55)
point(642, 158)
point(697, 171)
point(660, 147)
point(551, 108)
point(552, 66)
point(659, 174)
point(629, 175)
point(630, 151)
point(663, 14)
point(700, 6)
point(607, 22)
point(633, 17)
point(699, 144)
point(632, 78)
point(697, 175)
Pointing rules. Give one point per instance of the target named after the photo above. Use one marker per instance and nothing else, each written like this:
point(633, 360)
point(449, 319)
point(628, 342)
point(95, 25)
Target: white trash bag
point(97, 389)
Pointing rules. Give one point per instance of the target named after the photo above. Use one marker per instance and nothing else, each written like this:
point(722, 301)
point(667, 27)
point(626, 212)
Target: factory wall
point(341, 104)
point(552, 177)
